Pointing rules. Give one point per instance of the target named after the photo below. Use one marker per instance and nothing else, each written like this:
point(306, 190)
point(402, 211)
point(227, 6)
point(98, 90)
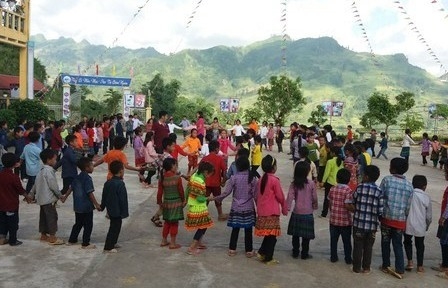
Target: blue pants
point(394, 235)
point(382, 152)
point(346, 233)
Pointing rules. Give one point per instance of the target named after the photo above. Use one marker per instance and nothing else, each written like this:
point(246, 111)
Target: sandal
point(193, 252)
point(442, 275)
point(164, 244)
point(156, 221)
point(177, 246)
point(250, 254)
point(57, 242)
point(202, 247)
point(409, 267)
point(231, 253)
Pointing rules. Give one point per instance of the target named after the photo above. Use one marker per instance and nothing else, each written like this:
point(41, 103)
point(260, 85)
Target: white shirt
point(407, 141)
point(420, 214)
point(263, 132)
point(136, 122)
point(172, 126)
point(238, 130)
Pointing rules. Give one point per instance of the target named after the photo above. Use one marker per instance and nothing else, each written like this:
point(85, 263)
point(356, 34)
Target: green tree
point(188, 107)
point(281, 97)
point(319, 115)
point(113, 100)
point(32, 110)
point(405, 101)
point(162, 96)
point(441, 110)
point(9, 116)
point(252, 113)
point(368, 121)
point(413, 121)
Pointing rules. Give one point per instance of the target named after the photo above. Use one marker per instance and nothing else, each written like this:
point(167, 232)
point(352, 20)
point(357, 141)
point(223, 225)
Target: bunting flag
point(79, 69)
point(190, 19)
point(440, 8)
point(97, 69)
point(284, 35)
point(131, 72)
point(420, 37)
point(114, 72)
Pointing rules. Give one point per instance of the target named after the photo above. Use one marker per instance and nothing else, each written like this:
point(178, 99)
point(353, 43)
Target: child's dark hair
point(115, 167)
point(301, 171)
point(304, 152)
point(337, 153)
point(173, 136)
point(419, 182)
point(138, 130)
point(435, 138)
point(268, 164)
point(239, 140)
point(167, 141)
point(77, 128)
point(37, 126)
point(351, 148)
point(83, 163)
point(34, 136)
point(257, 139)
point(251, 131)
point(17, 130)
point(372, 172)
point(120, 142)
point(425, 135)
point(243, 164)
point(192, 130)
point(243, 152)
point(9, 160)
point(383, 134)
point(205, 166)
point(69, 138)
point(208, 137)
point(398, 166)
point(47, 154)
point(167, 165)
point(213, 145)
point(343, 176)
point(148, 137)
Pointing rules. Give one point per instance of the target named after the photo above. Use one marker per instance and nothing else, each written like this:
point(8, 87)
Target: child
point(406, 145)
point(340, 217)
point(242, 212)
point(77, 134)
point(68, 163)
point(205, 149)
point(225, 144)
point(329, 179)
point(313, 149)
point(175, 150)
point(417, 223)
point(426, 144)
point(197, 216)
point(301, 224)
point(256, 156)
point(303, 157)
point(323, 154)
point(442, 234)
point(349, 134)
point(213, 183)
point(19, 144)
point(99, 136)
point(269, 198)
point(279, 136)
point(383, 146)
point(46, 192)
point(194, 145)
point(443, 154)
point(84, 202)
point(139, 148)
point(91, 138)
point(270, 136)
point(351, 164)
point(9, 200)
point(171, 199)
point(263, 134)
point(397, 193)
point(151, 158)
point(243, 152)
point(31, 158)
point(115, 200)
point(367, 208)
point(435, 150)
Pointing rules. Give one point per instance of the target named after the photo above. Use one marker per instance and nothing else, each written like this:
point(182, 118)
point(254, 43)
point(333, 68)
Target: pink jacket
point(150, 153)
point(272, 199)
point(224, 145)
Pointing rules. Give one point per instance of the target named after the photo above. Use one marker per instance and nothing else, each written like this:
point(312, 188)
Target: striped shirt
point(339, 196)
point(368, 201)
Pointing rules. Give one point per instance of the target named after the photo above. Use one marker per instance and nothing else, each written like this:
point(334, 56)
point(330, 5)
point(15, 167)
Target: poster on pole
point(333, 108)
point(140, 100)
point(224, 105)
point(234, 105)
point(129, 102)
point(66, 104)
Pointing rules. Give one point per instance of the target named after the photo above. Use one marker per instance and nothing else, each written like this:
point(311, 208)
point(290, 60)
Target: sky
point(165, 25)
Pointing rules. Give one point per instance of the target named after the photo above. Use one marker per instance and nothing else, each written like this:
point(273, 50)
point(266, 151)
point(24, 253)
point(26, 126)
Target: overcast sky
point(162, 24)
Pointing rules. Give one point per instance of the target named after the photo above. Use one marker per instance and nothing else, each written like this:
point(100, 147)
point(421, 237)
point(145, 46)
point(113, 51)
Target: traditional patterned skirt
point(301, 226)
point(442, 233)
point(405, 151)
point(172, 208)
point(270, 142)
point(267, 226)
point(193, 160)
point(198, 217)
point(245, 219)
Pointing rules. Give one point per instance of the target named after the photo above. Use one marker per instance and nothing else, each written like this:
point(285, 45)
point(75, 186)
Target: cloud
point(163, 24)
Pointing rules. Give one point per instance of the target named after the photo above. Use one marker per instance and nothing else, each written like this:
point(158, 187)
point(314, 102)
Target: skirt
point(267, 226)
point(270, 142)
point(405, 151)
point(198, 218)
point(425, 153)
point(193, 160)
point(244, 219)
point(301, 226)
point(173, 210)
point(442, 233)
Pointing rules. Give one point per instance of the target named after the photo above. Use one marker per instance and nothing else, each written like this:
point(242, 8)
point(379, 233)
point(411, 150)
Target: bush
point(9, 116)
point(32, 110)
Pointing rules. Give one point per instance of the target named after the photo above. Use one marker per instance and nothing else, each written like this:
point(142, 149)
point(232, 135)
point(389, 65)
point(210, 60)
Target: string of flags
point(189, 21)
point(419, 34)
point(440, 8)
point(284, 35)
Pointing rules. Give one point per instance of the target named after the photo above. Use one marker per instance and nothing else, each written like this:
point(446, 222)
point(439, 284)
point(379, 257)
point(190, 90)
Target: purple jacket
point(243, 192)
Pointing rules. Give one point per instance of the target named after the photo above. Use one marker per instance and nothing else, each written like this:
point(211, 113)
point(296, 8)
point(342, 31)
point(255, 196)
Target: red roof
point(8, 81)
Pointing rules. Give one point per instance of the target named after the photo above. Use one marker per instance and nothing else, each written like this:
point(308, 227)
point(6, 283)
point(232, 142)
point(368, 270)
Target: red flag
point(131, 72)
point(97, 69)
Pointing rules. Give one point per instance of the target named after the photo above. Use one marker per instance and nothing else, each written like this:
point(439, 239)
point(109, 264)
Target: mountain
point(328, 71)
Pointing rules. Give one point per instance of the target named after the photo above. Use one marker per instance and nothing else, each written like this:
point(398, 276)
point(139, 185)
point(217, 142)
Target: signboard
point(229, 105)
point(129, 100)
point(95, 80)
point(333, 108)
point(140, 101)
point(66, 103)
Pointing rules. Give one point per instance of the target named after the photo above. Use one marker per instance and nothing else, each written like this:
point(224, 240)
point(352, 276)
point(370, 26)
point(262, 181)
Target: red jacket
point(56, 140)
point(269, 203)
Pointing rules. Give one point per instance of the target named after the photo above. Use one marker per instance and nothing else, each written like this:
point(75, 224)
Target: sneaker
point(111, 251)
point(71, 243)
point(17, 243)
point(272, 262)
point(305, 257)
point(90, 246)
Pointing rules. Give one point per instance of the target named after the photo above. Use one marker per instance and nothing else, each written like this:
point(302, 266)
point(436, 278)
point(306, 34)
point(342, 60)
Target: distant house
point(9, 88)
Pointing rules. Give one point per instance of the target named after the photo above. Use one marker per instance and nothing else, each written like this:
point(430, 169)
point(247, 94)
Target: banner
point(333, 108)
point(229, 105)
point(234, 105)
point(95, 80)
point(66, 102)
point(140, 100)
point(129, 100)
point(224, 105)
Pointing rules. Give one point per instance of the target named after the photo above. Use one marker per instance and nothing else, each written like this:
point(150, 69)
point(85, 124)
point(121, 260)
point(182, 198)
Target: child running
point(242, 213)
point(84, 202)
point(269, 198)
point(417, 222)
point(198, 217)
point(194, 146)
point(301, 224)
point(171, 199)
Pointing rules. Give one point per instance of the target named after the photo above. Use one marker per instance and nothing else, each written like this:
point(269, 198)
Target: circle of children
point(356, 205)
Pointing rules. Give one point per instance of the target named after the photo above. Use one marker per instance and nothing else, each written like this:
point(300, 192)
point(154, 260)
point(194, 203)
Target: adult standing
point(106, 132)
point(136, 122)
point(406, 145)
point(56, 138)
point(149, 124)
point(254, 125)
point(238, 129)
point(184, 124)
point(215, 126)
point(372, 143)
point(161, 131)
point(200, 124)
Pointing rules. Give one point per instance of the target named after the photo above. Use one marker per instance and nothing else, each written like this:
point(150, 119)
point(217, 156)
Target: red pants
point(170, 228)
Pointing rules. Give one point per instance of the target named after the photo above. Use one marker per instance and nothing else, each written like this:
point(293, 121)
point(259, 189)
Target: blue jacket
point(68, 163)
